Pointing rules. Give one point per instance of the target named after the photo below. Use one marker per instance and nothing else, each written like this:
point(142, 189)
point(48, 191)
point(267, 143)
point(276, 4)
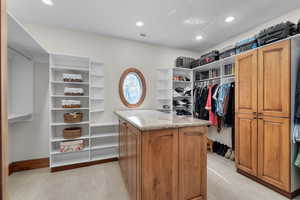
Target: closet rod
point(20, 53)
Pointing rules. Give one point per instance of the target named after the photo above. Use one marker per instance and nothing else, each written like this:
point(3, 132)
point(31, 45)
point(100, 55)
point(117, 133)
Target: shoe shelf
point(100, 139)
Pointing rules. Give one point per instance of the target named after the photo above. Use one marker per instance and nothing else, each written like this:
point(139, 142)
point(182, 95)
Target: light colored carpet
point(104, 182)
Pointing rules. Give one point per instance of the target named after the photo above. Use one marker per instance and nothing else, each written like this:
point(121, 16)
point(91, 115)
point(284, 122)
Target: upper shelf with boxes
point(267, 36)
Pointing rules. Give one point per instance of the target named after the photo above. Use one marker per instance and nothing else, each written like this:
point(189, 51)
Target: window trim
point(143, 82)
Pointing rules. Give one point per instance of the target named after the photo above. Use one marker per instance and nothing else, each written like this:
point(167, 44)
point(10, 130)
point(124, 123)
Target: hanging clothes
point(201, 94)
point(209, 106)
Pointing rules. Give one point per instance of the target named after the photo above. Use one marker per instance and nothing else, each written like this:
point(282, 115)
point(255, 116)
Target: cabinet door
point(192, 163)
point(123, 149)
point(246, 83)
point(160, 165)
point(134, 162)
point(274, 151)
point(274, 80)
point(246, 143)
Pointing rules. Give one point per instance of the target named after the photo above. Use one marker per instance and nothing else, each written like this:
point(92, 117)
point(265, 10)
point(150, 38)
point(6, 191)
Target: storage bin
point(73, 117)
point(246, 44)
point(72, 133)
point(72, 77)
point(70, 103)
point(71, 146)
point(73, 91)
point(184, 62)
point(227, 51)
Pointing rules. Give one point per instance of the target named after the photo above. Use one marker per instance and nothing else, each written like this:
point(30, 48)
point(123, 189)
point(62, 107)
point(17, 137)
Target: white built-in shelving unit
point(100, 139)
point(166, 85)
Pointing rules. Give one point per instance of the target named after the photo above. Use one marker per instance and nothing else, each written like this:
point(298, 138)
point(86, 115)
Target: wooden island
point(162, 156)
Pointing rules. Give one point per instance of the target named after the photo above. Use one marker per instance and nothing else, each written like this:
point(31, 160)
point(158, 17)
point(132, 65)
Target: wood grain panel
point(246, 143)
point(246, 83)
point(274, 80)
point(134, 162)
point(274, 151)
point(28, 165)
point(192, 163)
point(160, 165)
point(3, 105)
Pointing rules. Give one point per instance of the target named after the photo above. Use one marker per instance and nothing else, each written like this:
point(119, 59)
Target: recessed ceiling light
point(229, 19)
point(139, 23)
point(194, 21)
point(199, 37)
point(48, 2)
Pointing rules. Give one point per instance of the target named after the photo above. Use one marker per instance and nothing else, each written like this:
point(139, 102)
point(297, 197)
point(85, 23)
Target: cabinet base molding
point(85, 164)
point(28, 165)
point(289, 195)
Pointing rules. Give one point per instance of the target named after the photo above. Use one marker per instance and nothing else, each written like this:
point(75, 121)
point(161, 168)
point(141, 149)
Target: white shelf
point(103, 135)
point(186, 82)
point(19, 117)
point(60, 139)
point(69, 68)
point(95, 86)
point(71, 83)
point(97, 110)
point(97, 75)
point(164, 99)
point(62, 109)
point(97, 99)
point(104, 124)
point(93, 75)
point(105, 146)
point(183, 97)
point(182, 69)
point(68, 96)
point(69, 124)
point(71, 152)
point(64, 163)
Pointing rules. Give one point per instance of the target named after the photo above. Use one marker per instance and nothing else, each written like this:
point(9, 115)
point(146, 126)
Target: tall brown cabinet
point(263, 115)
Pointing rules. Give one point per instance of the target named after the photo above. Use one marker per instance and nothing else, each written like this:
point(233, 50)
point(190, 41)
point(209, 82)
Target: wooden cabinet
point(263, 102)
point(274, 67)
point(246, 143)
point(274, 151)
point(246, 83)
point(130, 158)
point(123, 154)
point(160, 165)
point(192, 166)
point(167, 164)
point(134, 162)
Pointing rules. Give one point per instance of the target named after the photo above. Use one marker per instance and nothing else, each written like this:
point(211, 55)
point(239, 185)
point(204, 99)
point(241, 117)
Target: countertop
point(147, 120)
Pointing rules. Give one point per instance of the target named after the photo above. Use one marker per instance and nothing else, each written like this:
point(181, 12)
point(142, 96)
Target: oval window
point(132, 88)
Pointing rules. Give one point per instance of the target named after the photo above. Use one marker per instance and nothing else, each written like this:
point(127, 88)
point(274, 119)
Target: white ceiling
point(163, 18)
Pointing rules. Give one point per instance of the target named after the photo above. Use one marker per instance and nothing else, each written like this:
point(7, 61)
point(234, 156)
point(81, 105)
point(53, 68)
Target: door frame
point(3, 104)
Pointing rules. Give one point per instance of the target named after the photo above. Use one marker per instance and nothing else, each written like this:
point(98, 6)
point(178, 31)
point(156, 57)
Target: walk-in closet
point(149, 100)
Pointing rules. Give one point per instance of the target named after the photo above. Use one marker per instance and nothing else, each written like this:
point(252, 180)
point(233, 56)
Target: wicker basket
point(72, 133)
point(73, 117)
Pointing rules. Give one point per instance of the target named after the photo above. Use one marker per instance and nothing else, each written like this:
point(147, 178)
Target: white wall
point(116, 54)
point(29, 140)
point(292, 16)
